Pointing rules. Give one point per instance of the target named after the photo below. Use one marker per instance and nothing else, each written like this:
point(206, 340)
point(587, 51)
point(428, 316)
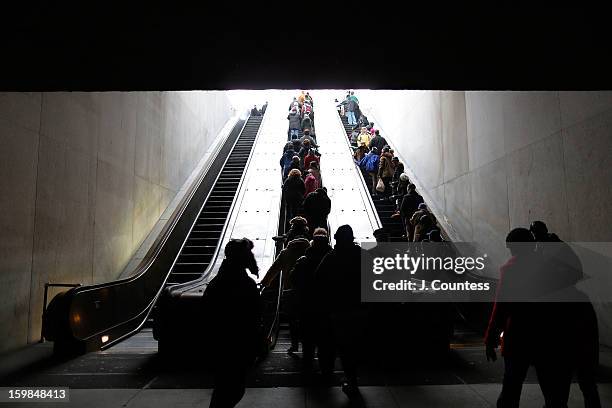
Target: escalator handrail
point(364, 188)
point(176, 216)
point(190, 285)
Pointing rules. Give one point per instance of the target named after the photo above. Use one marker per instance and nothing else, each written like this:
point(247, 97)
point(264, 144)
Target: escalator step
point(191, 267)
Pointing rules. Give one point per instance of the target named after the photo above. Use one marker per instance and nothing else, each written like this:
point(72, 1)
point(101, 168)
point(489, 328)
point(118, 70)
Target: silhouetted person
point(338, 286)
point(264, 107)
point(255, 111)
point(410, 203)
point(307, 303)
point(293, 191)
point(234, 321)
point(284, 263)
point(565, 271)
point(317, 207)
point(568, 268)
point(530, 327)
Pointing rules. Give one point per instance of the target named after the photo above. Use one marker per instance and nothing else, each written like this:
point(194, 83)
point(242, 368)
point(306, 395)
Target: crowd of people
point(389, 182)
point(322, 286)
point(319, 318)
point(259, 112)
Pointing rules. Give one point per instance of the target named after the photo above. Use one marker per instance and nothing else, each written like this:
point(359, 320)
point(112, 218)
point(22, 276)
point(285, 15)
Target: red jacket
point(308, 159)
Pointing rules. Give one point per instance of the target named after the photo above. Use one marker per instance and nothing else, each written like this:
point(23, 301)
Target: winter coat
point(285, 261)
point(338, 279)
point(303, 276)
point(317, 207)
point(310, 184)
point(370, 162)
point(309, 158)
point(293, 190)
point(378, 142)
point(285, 162)
point(385, 168)
point(294, 120)
point(410, 203)
point(306, 123)
point(364, 139)
point(236, 294)
point(351, 105)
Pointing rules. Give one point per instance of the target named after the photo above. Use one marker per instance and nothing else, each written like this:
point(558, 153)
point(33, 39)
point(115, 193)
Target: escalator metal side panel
point(101, 315)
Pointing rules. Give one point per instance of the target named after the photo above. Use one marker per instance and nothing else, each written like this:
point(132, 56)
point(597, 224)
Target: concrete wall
point(491, 161)
point(83, 179)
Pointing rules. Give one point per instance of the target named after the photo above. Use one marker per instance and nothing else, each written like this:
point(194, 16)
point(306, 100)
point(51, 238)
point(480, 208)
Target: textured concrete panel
point(578, 106)
point(529, 117)
point(68, 163)
point(147, 198)
point(588, 160)
point(71, 118)
point(485, 127)
point(114, 221)
point(63, 243)
point(490, 208)
point(118, 122)
point(536, 186)
point(458, 208)
point(148, 136)
point(454, 135)
point(18, 167)
point(21, 108)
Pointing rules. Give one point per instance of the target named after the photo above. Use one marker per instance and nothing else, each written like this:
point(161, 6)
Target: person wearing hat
point(234, 313)
point(338, 286)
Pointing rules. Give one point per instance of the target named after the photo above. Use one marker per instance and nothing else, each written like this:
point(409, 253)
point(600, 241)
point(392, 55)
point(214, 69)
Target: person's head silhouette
point(539, 230)
point(344, 235)
point(239, 252)
point(520, 241)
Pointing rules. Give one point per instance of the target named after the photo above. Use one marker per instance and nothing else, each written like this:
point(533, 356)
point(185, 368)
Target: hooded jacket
point(294, 120)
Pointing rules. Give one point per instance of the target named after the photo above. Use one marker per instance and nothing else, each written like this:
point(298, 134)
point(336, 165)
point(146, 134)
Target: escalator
point(96, 317)
point(393, 227)
point(204, 238)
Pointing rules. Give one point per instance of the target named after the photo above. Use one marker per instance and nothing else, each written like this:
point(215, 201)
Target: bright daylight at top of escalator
point(306, 247)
